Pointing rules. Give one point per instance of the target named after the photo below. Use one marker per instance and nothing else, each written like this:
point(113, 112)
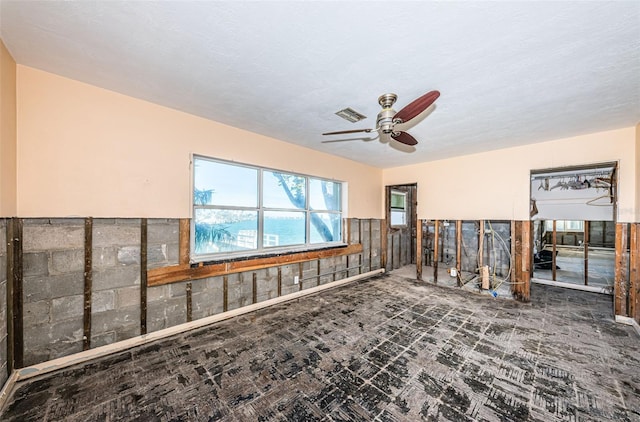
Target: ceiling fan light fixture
point(351, 115)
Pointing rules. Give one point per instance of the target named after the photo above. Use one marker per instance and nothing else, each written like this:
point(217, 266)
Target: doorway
point(573, 214)
point(401, 217)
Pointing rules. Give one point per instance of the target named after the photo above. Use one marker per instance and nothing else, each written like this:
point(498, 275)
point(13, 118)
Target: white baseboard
point(628, 321)
point(592, 289)
point(81, 357)
point(7, 389)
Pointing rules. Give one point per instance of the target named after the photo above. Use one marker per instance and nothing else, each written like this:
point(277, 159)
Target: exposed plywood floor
point(386, 348)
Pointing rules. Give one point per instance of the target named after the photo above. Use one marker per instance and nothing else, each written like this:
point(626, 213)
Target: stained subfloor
point(386, 349)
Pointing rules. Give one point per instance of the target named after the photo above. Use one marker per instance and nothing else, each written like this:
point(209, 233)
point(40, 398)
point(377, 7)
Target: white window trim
point(262, 251)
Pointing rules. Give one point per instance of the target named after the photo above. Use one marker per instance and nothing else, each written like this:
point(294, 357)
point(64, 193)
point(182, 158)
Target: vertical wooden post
point(458, 251)
point(225, 291)
point(512, 235)
point(370, 244)
point(279, 284)
point(634, 272)
point(255, 288)
point(553, 251)
point(527, 243)
point(436, 251)
point(621, 281)
point(383, 244)
point(189, 287)
point(17, 304)
point(301, 272)
point(481, 245)
point(360, 242)
point(184, 244)
point(585, 243)
point(516, 238)
point(10, 294)
point(88, 279)
point(143, 276)
point(419, 250)
point(184, 256)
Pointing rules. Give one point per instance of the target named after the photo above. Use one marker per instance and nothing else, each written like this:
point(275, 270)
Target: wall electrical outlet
point(296, 279)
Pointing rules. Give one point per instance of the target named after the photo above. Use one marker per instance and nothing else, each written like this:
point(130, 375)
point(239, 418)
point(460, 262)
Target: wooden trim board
point(184, 272)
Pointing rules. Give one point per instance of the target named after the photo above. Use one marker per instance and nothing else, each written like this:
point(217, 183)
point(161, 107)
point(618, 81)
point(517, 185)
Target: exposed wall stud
point(458, 252)
point(419, 250)
point(88, 281)
point(189, 302)
point(554, 251)
point(370, 244)
point(255, 288)
point(622, 270)
point(184, 240)
point(17, 305)
point(481, 244)
point(279, 281)
point(516, 238)
point(10, 293)
point(436, 249)
point(585, 244)
point(360, 242)
point(383, 244)
point(143, 276)
point(634, 272)
point(225, 291)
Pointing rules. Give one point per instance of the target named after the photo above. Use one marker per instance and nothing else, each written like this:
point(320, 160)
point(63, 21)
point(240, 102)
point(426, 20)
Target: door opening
point(401, 217)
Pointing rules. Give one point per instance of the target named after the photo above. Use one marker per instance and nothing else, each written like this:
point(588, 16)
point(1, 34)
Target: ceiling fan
point(388, 118)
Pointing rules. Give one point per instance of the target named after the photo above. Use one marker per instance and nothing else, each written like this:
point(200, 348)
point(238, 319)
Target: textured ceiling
point(510, 73)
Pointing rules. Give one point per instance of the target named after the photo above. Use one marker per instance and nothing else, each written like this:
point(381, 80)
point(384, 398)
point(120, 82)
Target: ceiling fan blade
point(404, 137)
point(417, 106)
point(340, 132)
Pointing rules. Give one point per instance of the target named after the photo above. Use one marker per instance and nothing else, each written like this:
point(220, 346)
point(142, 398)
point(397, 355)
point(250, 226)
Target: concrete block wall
point(53, 288)
point(165, 304)
point(54, 282)
point(4, 367)
point(115, 293)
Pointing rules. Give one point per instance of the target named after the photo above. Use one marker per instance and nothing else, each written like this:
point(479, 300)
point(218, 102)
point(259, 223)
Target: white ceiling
point(510, 73)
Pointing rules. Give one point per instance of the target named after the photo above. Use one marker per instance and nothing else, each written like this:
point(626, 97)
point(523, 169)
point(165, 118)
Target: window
point(241, 210)
point(565, 225)
point(398, 208)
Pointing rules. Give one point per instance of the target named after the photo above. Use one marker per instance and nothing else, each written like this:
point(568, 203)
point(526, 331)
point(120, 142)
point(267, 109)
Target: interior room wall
point(495, 184)
point(7, 133)
point(87, 151)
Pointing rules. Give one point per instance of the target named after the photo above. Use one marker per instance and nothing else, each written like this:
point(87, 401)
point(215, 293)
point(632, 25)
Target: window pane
point(398, 218)
point(225, 230)
point(398, 200)
point(325, 227)
point(218, 183)
point(283, 228)
point(324, 195)
point(282, 190)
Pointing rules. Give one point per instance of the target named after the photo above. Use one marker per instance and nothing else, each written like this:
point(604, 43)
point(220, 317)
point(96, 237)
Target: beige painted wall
point(7, 133)
point(495, 185)
point(86, 151)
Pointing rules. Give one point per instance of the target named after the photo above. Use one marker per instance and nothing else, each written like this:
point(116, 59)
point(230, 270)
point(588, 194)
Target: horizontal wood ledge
point(184, 272)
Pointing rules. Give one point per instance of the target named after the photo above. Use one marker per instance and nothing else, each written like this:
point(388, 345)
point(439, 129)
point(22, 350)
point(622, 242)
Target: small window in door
point(398, 209)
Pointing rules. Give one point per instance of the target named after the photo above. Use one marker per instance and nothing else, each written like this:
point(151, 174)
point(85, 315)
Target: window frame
point(393, 209)
point(262, 250)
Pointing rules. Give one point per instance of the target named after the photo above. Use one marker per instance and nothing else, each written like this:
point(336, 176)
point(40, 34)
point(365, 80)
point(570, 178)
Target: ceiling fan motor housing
point(385, 117)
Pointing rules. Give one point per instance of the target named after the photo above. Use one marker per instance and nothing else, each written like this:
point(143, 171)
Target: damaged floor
point(386, 349)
